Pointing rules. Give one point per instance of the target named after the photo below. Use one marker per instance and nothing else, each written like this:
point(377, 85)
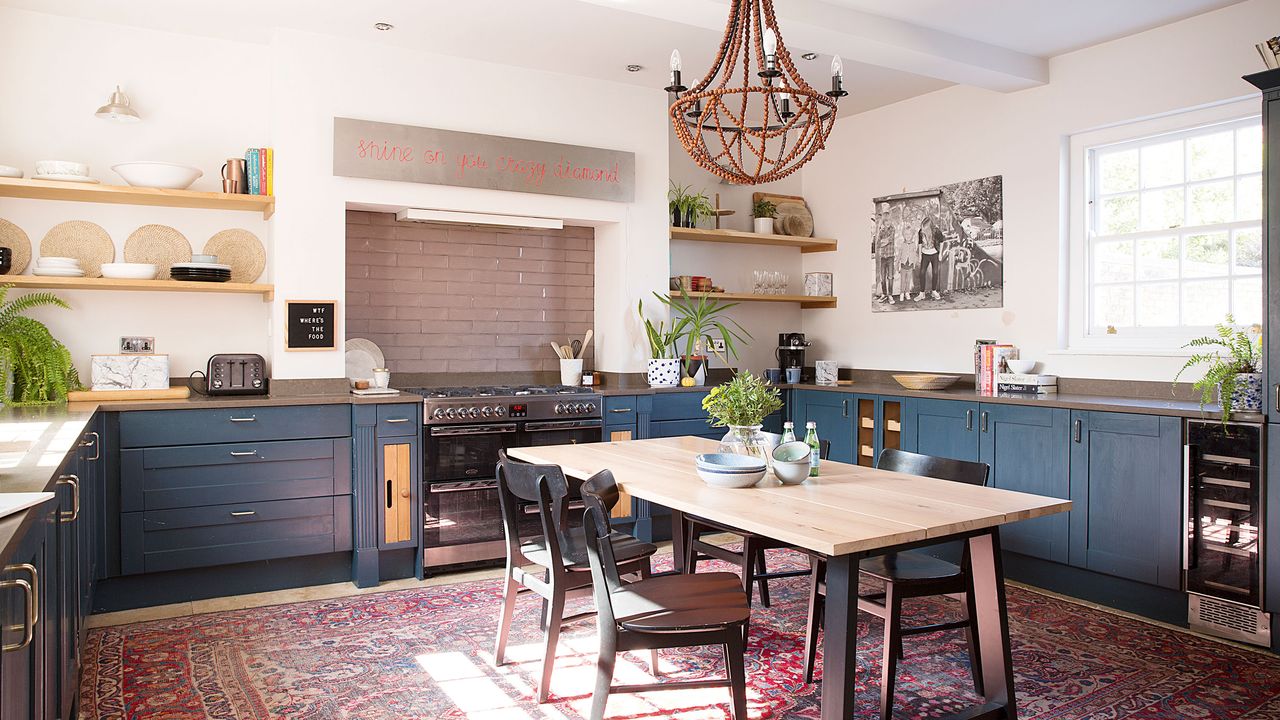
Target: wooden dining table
point(845, 514)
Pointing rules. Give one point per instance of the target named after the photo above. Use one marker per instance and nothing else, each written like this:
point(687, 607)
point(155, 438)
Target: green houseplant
point(700, 322)
point(741, 405)
point(38, 366)
point(764, 213)
point(1233, 357)
point(664, 366)
point(686, 206)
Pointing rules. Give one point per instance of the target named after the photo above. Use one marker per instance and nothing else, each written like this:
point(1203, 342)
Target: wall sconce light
point(118, 109)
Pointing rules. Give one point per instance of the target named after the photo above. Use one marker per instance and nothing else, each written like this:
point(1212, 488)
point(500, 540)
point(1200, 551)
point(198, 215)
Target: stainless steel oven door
point(465, 452)
point(561, 432)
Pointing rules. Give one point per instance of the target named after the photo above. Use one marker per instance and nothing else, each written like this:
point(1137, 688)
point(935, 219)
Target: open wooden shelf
point(806, 244)
point(268, 292)
point(128, 195)
point(805, 301)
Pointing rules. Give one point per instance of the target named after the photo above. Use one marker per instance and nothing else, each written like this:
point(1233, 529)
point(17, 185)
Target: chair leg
point(816, 606)
point(555, 619)
point(892, 644)
point(607, 658)
point(749, 550)
point(653, 663)
point(690, 554)
point(761, 569)
point(504, 620)
point(736, 666)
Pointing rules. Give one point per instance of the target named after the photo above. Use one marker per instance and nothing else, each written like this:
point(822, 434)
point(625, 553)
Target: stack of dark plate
point(200, 272)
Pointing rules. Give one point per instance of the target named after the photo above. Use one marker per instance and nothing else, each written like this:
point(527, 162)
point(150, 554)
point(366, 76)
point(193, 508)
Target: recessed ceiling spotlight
point(809, 56)
point(634, 68)
point(384, 26)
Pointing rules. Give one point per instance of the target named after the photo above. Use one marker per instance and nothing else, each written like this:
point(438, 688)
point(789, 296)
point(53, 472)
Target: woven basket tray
point(12, 237)
point(80, 239)
point(160, 245)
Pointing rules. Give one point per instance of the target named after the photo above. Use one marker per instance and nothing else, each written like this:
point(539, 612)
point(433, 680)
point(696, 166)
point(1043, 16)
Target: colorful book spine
point(978, 345)
point(1019, 389)
point(994, 359)
point(262, 171)
point(251, 171)
point(271, 171)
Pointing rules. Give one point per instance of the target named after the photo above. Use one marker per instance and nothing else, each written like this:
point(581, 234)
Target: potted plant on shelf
point(701, 322)
point(764, 212)
point(664, 366)
point(741, 405)
point(35, 367)
point(1232, 373)
point(678, 198)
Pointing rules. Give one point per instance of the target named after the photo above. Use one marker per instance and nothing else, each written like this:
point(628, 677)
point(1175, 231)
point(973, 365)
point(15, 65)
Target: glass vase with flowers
point(741, 405)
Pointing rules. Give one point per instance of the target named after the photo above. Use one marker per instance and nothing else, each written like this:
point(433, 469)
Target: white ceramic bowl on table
point(169, 176)
point(791, 462)
point(729, 470)
point(129, 271)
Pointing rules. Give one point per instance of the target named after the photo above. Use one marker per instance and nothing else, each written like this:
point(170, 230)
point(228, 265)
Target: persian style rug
point(426, 654)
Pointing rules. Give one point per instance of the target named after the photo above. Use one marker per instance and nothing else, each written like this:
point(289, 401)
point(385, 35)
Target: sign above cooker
point(407, 153)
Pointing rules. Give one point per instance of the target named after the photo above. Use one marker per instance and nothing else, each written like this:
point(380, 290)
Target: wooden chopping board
point(176, 393)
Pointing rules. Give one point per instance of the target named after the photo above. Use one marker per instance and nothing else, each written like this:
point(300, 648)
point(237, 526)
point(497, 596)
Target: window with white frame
point(1173, 239)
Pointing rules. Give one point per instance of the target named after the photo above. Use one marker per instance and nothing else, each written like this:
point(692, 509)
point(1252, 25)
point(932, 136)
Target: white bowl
point(170, 176)
point(52, 261)
point(129, 271)
point(61, 167)
point(791, 472)
point(729, 478)
point(10, 171)
point(1021, 366)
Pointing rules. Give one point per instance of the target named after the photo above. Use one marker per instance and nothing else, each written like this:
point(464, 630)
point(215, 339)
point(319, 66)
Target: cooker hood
point(425, 215)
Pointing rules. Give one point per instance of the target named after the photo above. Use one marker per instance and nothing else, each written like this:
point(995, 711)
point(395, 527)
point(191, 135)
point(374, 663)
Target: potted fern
point(1233, 357)
point(36, 368)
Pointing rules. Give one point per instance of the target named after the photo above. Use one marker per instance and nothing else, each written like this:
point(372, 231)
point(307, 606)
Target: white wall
point(962, 133)
point(192, 94)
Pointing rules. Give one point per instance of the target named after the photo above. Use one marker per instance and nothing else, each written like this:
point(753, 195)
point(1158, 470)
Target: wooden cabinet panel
point(1028, 449)
point(944, 428)
point(397, 477)
point(833, 413)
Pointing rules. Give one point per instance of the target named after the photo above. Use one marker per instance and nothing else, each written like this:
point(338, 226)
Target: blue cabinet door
point(943, 428)
point(1126, 487)
point(1028, 449)
point(833, 413)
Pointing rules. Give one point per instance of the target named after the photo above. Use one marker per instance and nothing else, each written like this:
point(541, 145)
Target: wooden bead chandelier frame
point(771, 122)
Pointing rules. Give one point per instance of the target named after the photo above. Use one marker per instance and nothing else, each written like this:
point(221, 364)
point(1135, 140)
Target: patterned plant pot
point(664, 373)
point(1247, 395)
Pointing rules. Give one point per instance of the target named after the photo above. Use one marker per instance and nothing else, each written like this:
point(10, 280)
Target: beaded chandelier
point(753, 119)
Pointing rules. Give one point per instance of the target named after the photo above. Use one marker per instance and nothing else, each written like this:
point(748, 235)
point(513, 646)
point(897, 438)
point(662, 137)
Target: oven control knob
point(486, 411)
point(439, 413)
point(578, 408)
point(499, 410)
point(561, 409)
point(591, 407)
point(451, 413)
point(472, 413)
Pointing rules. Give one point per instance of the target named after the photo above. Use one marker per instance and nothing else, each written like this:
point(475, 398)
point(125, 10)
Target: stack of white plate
point(57, 267)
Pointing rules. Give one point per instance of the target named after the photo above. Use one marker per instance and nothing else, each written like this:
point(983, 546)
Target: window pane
point(1162, 164)
point(1207, 255)
point(1249, 198)
point(1119, 215)
point(1113, 305)
point(1158, 258)
point(1248, 257)
point(1157, 305)
point(1246, 300)
point(1210, 156)
point(1211, 203)
point(1249, 149)
point(1113, 261)
point(1118, 171)
point(1162, 208)
point(1204, 302)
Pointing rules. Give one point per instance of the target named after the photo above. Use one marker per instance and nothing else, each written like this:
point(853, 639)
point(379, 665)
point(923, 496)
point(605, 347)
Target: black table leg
point(677, 540)
point(993, 626)
point(840, 638)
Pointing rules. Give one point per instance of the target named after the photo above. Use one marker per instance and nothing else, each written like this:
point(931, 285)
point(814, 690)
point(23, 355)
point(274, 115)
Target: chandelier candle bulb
point(675, 85)
point(770, 42)
point(837, 78)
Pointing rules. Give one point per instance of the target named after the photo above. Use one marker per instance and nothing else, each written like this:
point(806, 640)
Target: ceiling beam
point(867, 38)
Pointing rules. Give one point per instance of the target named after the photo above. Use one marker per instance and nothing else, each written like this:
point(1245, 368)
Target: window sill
point(1124, 352)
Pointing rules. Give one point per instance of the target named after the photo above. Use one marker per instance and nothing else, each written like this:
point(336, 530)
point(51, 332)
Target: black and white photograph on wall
point(940, 249)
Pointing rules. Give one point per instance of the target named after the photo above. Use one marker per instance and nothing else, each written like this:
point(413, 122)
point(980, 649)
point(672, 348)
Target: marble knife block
point(129, 372)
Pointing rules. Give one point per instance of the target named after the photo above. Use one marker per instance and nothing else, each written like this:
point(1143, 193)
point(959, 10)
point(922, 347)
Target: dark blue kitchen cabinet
point(1126, 492)
point(675, 414)
point(621, 417)
point(943, 428)
point(1271, 509)
point(386, 479)
point(1028, 449)
point(833, 414)
point(30, 662)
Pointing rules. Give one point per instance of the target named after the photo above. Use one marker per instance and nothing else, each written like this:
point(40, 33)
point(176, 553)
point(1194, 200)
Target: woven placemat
point(794, 219)
point(80, 239)
point(160, 245)
point(12, 237)
point(240, 249)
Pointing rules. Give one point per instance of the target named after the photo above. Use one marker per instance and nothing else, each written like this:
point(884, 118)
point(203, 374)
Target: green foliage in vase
point(1233, 351)
point(745, 400)
point(42, 368)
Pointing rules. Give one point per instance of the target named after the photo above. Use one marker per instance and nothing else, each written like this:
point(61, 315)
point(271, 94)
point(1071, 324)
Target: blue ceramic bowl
point(727, 461)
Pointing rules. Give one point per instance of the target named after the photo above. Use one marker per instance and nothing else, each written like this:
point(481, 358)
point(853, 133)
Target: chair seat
point(625, 549)
point(681, 602)
point(905, 567)
point(701, 525)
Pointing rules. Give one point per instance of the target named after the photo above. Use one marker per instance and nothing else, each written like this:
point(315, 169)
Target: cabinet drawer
point(151, 428)
point(678, 405)
point(159, 540)
point(398, 420)
point(619, 409)
point(194, 475)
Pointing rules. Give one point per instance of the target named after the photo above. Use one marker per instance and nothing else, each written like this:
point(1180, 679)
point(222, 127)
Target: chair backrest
point(600, 494)
point(970, 473)
point(824, 449)
point(522, 483)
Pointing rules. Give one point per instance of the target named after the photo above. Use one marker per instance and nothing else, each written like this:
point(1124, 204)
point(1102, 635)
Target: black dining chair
point(557, 551)
point(906, 575)
point(751, 558)
point(672, 611)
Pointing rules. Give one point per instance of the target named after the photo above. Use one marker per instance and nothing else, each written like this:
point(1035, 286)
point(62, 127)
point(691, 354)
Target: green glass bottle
point(788, 432)
point(811, 439)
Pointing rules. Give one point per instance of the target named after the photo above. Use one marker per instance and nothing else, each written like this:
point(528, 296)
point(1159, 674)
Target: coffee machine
point(790, 352)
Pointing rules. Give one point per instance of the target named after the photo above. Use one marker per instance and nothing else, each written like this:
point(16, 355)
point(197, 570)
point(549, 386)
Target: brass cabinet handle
point(74, 482)
point(243, 453)
point(28, 625)
point(242, 513)
point(968, 421)
point(251, 418)
point(96, 445)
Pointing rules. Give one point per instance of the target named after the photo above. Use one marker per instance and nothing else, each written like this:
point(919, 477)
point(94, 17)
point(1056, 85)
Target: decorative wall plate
point(240, 249)
point(160, 245)
point(80, 239)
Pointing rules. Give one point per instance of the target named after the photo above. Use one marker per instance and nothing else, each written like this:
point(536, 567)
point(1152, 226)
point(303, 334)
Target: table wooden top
point(847, 509)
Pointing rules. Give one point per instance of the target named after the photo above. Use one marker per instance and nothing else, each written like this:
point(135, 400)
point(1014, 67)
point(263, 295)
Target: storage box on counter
point(129, 372)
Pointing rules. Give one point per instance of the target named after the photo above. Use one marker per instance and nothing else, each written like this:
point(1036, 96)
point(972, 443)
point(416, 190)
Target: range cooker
point(465, 428)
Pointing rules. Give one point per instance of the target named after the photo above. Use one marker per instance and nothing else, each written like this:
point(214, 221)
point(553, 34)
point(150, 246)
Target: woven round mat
point(80, 239)
point(158, 244)
point(794, 219)
point(240, 249)
point(12, 237)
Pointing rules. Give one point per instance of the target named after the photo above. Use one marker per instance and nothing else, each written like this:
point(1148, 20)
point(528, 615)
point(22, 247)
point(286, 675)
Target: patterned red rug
point(426, 654)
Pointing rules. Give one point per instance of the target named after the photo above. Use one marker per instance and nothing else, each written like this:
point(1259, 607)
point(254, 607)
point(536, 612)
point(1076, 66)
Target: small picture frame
point(818, 284)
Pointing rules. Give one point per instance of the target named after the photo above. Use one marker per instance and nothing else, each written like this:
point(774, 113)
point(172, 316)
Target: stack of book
point(1026, 384)
point(260, 171)
point(989, 360)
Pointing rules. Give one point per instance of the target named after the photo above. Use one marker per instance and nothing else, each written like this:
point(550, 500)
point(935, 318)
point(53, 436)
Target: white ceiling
point(893, 49)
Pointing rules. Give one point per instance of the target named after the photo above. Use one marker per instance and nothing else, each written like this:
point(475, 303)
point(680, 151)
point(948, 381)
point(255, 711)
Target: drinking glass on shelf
point(786, 283)
point(777, 283)
point(758, 282)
